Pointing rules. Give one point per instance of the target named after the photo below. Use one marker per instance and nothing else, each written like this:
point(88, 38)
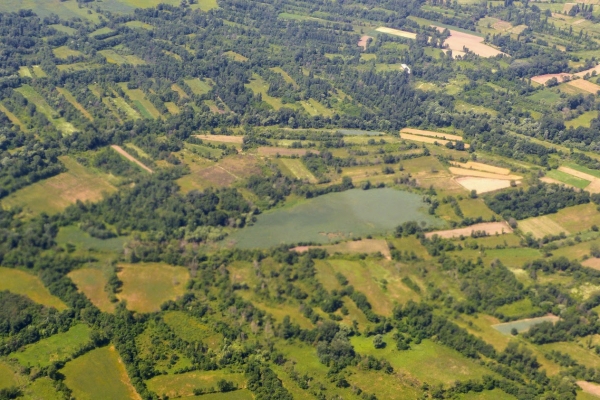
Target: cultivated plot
point(23, 283)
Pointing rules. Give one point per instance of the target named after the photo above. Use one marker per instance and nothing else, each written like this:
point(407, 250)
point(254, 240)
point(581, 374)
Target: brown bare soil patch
point(585, 85)
point(589, 388)
point(483, 167)
point(363, 41)
point(284, 151)
point(459, 40)
point(482, 174)
point(592, 263)
point(440, 135)
point(491, 228)
point(131, 158)
point(542, 79)
point(222, 138)
point(589, 71)
point(483, 185)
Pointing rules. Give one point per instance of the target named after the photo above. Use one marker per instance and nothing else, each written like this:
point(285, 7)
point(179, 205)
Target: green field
point(428, 360)
point(334, 216)
point(55, 348)
point(139, 100)
point(83, 240)
point(115, 58)
point(182, 385)
point(147, 285)
point(55, 194)
point(522, 325)
point(65, 52)
point(109, 379)
point(7, 376)
point(198, 86)
point(92, 283)
point(584, 119)
point(568, 179)
point(581, 168)
point(124, 107)
point(42, 106)
point(258, 85)
point(45, 8)
point(20, 282)
point(298, 169)
point(519, 308)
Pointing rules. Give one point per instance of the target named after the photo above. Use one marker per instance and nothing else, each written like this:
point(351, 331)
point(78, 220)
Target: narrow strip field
point(482, 174)
point(284, 151)
point(483, 167)
point(42, 106)
point(440, 135)
point(12, 117)
point(131, 158)
point(395, 32)
point(71, 99)
point(491, 228)
point(523, 324)
point(222, 138)
point(585, 85)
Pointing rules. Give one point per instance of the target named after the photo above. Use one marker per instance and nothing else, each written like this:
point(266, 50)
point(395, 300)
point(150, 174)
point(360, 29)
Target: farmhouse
point(405, 68)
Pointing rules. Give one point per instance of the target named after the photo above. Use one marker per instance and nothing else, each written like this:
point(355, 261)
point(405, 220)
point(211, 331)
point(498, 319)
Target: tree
point(378, 342)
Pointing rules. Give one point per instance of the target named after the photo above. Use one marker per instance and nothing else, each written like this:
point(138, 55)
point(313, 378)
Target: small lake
point(333, 217)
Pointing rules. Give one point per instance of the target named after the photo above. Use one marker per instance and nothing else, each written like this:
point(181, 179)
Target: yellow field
point(483, 185)
point(25, 284)
point(491, 228)
point(147, 285)
point(91, 282)
point(541, 226)
point(71, 99)
point(54, 194)
point(176, 88)
point(585, 85)
point(285, 76)
point(115, 58)
point(64, 52)
point(25, 72)
point(483, 167)
point(297, 168)
point(440, 135)
point(397, 32)
point(39, 72)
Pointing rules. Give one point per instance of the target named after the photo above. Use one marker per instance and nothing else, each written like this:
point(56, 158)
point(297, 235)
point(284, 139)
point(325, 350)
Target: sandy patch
point(483, 185)
point(483, 167)
point(590, 388)
point(222, 138)
point(585, 85)
point(363, 41)
point(284, 151)
point(131, 158)
point(491, 228)
point(459, 40)
point(397, 32)
point(482, 174)
point(440, 135)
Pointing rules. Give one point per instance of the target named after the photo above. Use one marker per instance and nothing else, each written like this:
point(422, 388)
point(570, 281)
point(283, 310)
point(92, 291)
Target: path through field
point(131, 158)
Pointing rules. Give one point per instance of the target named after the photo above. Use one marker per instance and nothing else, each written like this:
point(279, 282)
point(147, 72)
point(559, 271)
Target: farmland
point(208, 199)
point(147, 286)
point(109, 381)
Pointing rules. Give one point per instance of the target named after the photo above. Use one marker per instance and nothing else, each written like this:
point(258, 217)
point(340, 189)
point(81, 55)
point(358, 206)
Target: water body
point(334, 216)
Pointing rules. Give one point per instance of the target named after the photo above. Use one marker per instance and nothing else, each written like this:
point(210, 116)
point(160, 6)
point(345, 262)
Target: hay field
point(577, 218)
point(65, 52)
point(440, 135)
point(283, 151)
point(71, 99)
point(42, 106)
point(568, 179)
point(298, 169)
point(363, 246)
point(395, 32)
point(541, 226)
point(147, 285)
point(54, 194)
point(459, 40)
point(109, 379)
point(491, 228)
point(172, 107)
point(593, 187)
point(222, 138)
point(585, 85)
point(542, 79)
point(483, 185)
point(482, 174)
point(483, 167)
point(19, 282)
point(54, 348)
point(91, 282)
point(183, 385)
point(131, 158)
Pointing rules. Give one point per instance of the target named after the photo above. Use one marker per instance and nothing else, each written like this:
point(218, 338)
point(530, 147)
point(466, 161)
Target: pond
point(334, 216)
